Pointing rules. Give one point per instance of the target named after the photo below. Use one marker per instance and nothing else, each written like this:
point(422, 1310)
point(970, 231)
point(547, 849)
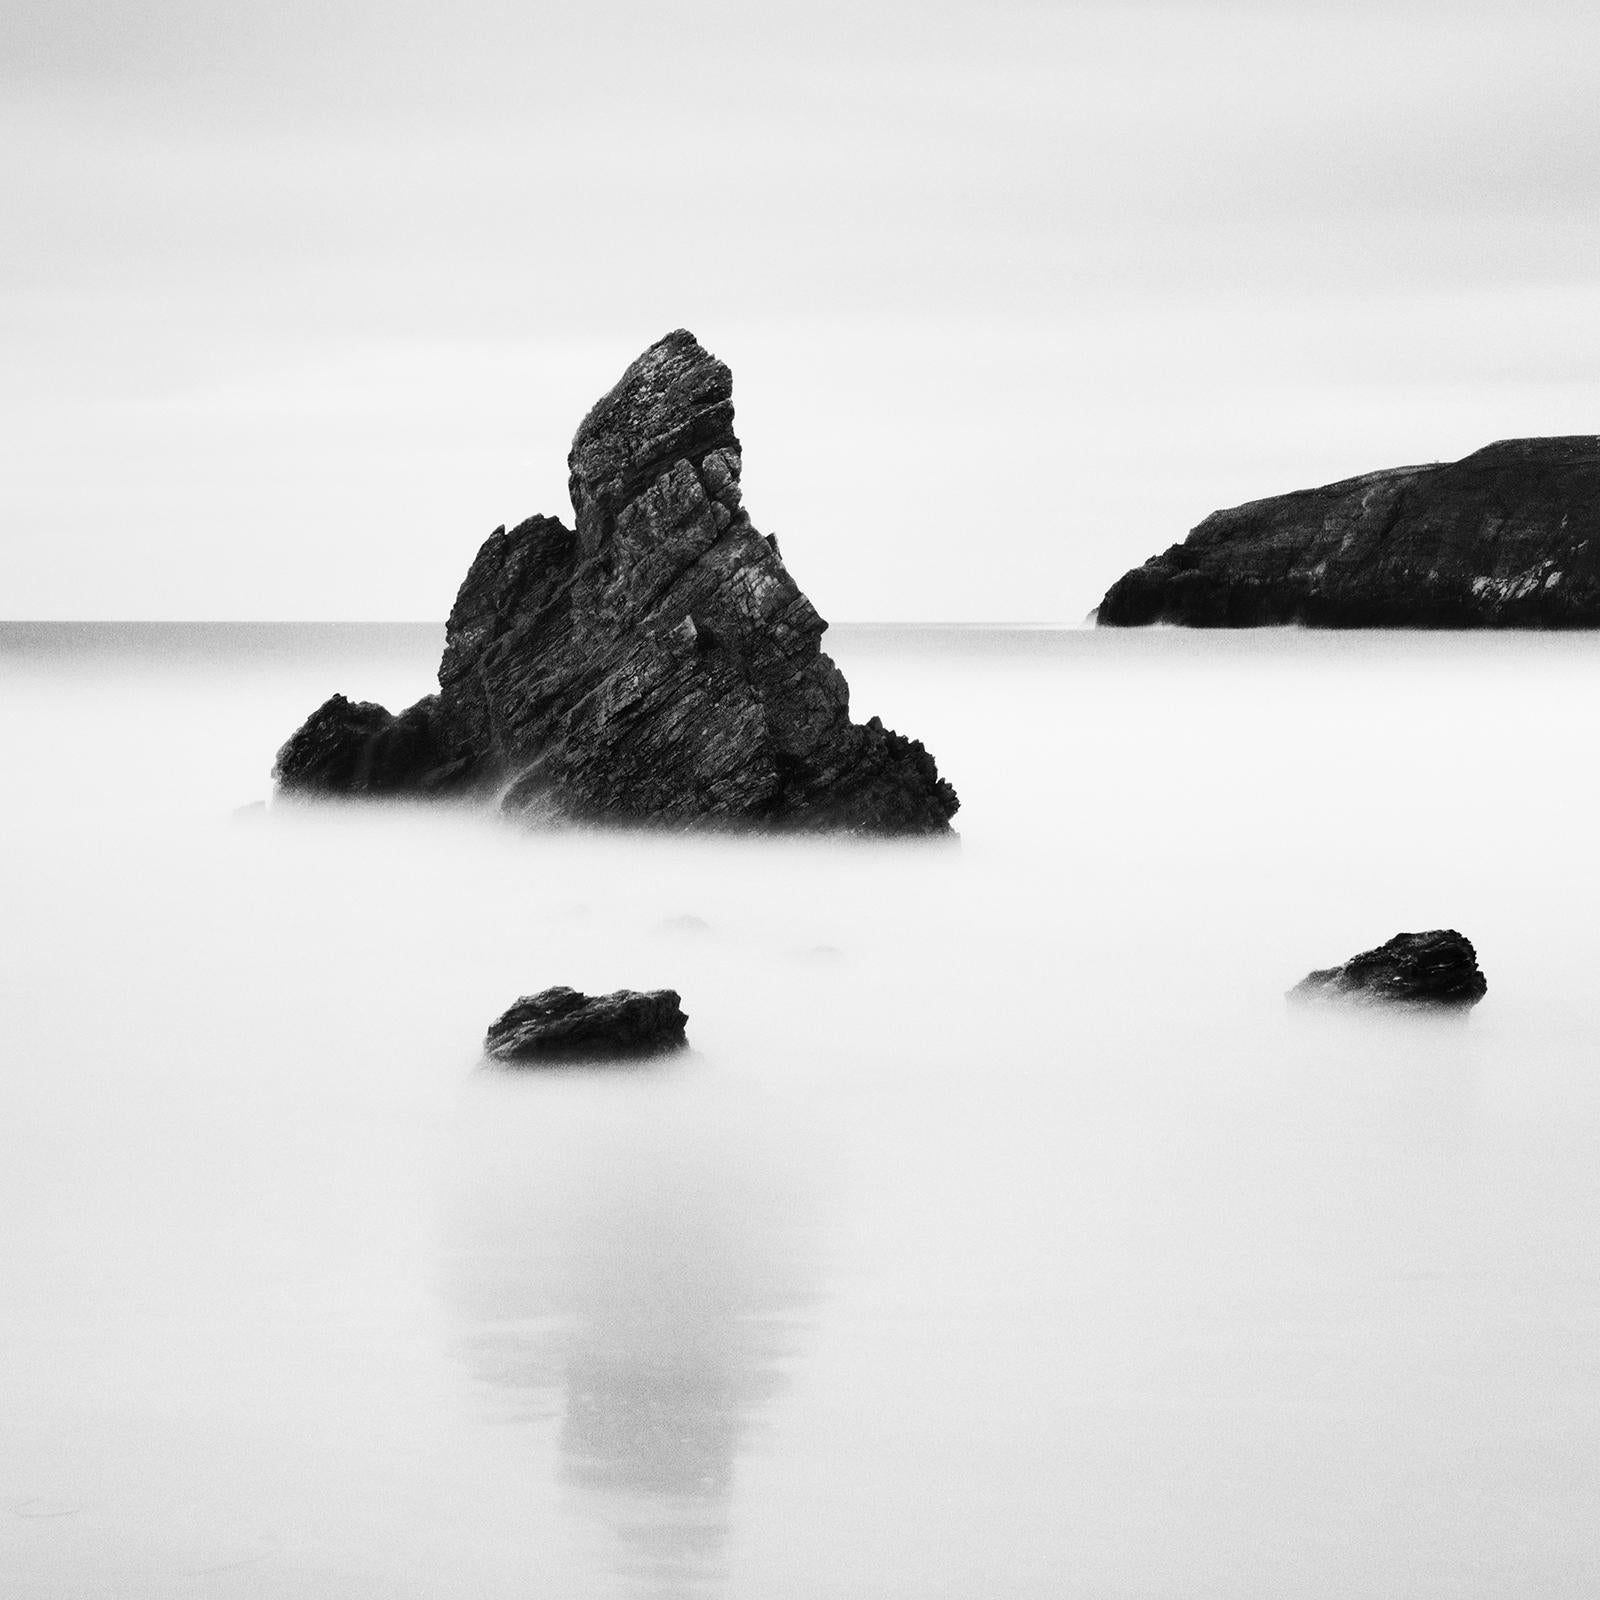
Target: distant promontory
point(1508, 537)
point(653, 663)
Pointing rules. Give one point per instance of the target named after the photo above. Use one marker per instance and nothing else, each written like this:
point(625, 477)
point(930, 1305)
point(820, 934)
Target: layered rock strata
point(1506, 538)
point(1435, 970)
point(653, 663)
point(564, 1024)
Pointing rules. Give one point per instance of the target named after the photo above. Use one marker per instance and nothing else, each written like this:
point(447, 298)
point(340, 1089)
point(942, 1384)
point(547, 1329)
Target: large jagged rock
point(656, 663)
point(563, 1024)
point(1509, 537)
point(1418, 971)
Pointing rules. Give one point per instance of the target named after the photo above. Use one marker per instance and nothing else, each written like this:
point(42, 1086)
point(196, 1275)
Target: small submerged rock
point(1436, 970)
point(562, 1023)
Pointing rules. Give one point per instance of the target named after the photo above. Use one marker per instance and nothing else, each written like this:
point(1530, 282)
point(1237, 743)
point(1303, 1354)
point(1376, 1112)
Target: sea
point(1002, 1234)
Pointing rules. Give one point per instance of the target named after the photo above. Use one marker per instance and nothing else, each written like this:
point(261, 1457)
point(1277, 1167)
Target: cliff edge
point(1508, 537)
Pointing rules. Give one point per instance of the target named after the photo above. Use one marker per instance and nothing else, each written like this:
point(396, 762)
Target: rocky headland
point(653, 663)
point(1508, 537)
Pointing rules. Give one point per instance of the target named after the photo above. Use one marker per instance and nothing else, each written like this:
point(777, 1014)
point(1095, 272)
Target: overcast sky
point(299, 300)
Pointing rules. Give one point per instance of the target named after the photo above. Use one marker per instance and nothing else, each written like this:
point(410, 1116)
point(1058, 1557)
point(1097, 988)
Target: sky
point(299, 301)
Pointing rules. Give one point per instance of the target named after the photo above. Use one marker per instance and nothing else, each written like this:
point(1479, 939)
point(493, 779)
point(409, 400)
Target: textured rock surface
point(655, 663)
point(358, 748)
point(1507, 538)
point(1437, 969)
point(561, 1022)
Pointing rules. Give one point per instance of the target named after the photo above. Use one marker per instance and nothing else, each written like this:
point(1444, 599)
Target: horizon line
point(431, 622)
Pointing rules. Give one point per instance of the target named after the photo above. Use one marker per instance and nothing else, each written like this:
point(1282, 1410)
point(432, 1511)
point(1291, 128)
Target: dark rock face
point(346, 748)
point(656, 663)
point(562, 1023)
point(1507, 538)
point(1437, 970)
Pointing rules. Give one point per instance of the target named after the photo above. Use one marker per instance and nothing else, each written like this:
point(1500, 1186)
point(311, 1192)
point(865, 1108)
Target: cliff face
point(1509, 537)
point(654, 663)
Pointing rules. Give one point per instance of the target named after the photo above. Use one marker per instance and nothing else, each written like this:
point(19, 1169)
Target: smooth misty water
point(1001, 1236)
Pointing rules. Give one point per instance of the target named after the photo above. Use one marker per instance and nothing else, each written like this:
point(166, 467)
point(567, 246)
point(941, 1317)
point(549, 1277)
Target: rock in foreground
point(1437, 970)
point(561, 1023)
point(1507, 538)
point(654, 663)
point(346, 748)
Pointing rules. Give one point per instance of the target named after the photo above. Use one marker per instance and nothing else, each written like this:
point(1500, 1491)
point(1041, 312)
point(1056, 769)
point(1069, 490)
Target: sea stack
point(654, 663)
point(1509, 537)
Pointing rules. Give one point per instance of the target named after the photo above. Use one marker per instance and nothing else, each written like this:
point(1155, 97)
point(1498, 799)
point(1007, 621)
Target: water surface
point(1000, 1235)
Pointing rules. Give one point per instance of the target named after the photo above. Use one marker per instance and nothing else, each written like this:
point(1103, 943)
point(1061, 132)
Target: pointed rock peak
point(675, 402)
point(676, 379)
point(657, 664)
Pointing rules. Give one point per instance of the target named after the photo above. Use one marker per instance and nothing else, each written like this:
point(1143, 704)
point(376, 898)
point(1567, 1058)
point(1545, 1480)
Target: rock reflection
point(640, 1278)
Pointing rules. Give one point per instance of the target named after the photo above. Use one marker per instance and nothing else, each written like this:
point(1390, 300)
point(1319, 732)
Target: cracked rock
point(654, 663)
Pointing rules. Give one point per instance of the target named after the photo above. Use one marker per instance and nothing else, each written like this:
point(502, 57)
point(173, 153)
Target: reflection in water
point(639, 1278)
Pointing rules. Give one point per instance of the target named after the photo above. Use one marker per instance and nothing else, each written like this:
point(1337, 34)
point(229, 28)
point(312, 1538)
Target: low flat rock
point(655, 663)
point(1436, 970)
point(562, 1023)
point(1508, 537)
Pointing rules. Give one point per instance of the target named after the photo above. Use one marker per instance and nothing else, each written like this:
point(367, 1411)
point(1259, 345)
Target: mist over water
point(1001, 1234)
